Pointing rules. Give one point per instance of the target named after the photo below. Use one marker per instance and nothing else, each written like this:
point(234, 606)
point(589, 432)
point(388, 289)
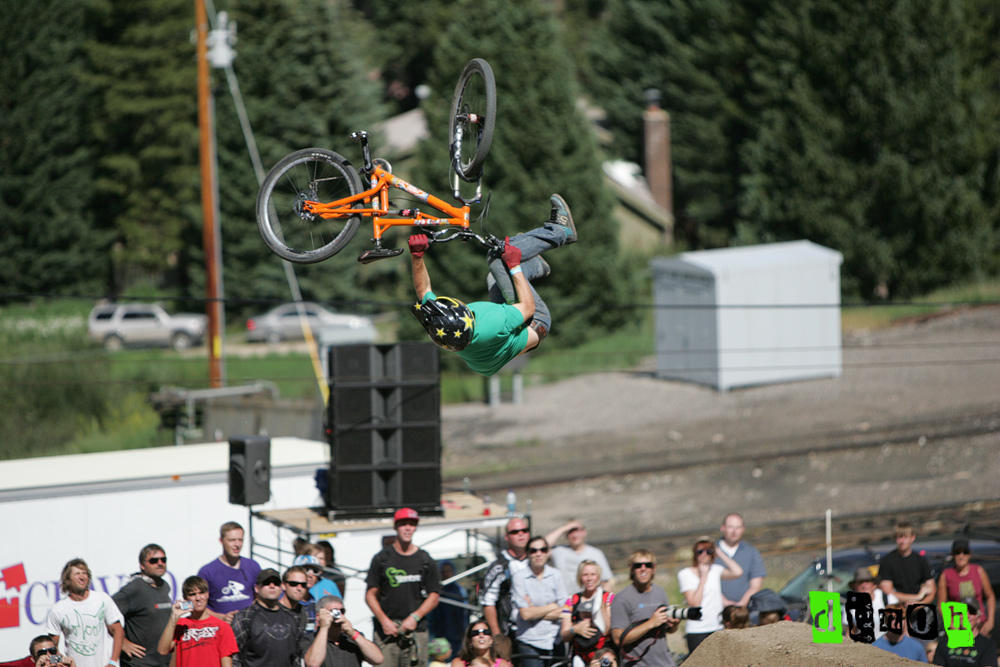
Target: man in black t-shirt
point(145, 603)
point(403, 587)
point(906, 574)
point(337, 642)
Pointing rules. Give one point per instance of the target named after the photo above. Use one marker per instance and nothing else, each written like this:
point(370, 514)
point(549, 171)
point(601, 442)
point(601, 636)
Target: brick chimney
point(656, 123)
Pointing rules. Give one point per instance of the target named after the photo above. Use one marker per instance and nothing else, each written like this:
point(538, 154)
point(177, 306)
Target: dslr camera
point(681, 613)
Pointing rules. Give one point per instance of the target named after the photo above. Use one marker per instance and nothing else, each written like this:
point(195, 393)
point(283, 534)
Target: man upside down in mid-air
point(488, 334)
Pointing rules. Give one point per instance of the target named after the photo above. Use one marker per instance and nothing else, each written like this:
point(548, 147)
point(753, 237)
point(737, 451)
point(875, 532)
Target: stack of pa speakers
point(384, 429)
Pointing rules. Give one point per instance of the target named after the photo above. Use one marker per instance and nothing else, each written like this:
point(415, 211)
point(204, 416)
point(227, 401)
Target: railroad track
point(928, 430)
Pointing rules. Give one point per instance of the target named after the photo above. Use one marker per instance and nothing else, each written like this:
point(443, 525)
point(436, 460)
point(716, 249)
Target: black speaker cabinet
point(249, 469)
point(384, 426)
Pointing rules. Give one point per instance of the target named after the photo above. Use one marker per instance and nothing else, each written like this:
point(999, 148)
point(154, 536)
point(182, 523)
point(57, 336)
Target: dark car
point(985, 553)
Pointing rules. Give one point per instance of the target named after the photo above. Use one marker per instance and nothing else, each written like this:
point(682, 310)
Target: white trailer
point(105, 507)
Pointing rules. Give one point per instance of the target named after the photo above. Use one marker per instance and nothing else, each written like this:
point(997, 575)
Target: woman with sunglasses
point(539, 593)
point(965, 580)
point(586, 616)
point(477, 648)
point(701, 585)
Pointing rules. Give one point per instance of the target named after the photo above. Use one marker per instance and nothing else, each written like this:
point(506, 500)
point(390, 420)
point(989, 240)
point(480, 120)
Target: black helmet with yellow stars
point(447, 321)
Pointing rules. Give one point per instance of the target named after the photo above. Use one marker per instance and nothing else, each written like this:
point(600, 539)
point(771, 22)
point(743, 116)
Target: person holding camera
point(701, 585)
point(604, 658)
point(640, 618)
point(337, 642)
point(192, 634)
point(42, 652)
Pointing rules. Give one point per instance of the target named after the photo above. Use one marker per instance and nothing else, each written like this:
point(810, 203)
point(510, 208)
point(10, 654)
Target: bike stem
point(361, 136)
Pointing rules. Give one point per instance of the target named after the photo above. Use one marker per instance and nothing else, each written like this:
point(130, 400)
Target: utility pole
point(213, 305)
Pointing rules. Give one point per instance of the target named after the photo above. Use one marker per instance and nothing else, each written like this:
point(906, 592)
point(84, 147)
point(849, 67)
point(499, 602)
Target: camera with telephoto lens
point(335, 614)
point(681, 613)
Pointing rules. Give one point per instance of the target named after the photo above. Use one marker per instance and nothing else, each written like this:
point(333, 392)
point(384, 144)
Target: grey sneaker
point(561, 216)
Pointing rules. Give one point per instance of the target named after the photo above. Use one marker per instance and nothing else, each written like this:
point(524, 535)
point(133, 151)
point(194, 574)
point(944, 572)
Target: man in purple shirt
point(230, 577)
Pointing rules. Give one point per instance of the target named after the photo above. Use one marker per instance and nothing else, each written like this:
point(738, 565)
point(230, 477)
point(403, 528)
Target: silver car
point(282, 323)
point(142, 324)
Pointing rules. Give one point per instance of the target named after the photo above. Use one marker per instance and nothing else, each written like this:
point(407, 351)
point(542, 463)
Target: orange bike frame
point(376, 199)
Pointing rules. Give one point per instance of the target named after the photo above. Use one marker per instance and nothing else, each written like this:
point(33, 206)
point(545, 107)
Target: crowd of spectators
point(542, 603)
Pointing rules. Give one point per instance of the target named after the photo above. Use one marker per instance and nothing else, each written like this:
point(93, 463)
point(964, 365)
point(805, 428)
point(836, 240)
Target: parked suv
point(141, 324)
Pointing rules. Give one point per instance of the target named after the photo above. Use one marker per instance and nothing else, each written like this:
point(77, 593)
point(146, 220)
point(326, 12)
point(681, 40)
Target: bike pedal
point(373, 254)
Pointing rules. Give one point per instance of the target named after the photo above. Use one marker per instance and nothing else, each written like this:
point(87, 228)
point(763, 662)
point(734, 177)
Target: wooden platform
point(461, 510)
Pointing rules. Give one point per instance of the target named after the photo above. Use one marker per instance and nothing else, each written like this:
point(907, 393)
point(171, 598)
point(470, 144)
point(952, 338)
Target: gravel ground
point(674, 456)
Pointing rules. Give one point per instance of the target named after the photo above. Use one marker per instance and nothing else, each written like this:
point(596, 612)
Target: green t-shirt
point(498, 336)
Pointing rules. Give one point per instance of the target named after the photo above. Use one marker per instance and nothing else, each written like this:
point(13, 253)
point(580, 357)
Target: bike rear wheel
point(310, 174)
point(473, 117)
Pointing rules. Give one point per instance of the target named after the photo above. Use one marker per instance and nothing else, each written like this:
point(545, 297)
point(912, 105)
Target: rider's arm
point(422, 280)
point(525, 299)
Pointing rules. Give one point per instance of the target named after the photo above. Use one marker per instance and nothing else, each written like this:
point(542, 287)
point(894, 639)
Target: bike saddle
point(373, 254)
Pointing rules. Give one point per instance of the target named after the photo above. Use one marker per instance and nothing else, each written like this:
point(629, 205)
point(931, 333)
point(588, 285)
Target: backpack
point(581, 644)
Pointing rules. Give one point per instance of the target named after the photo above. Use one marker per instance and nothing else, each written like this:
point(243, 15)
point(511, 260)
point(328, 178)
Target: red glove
point(419, 243)
point(511, 254)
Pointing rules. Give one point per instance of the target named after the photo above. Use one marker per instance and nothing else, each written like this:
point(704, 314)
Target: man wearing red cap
point(403, 587)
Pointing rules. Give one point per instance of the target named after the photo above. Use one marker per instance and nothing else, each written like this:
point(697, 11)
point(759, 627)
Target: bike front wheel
point(473, 117)
point(310, 174)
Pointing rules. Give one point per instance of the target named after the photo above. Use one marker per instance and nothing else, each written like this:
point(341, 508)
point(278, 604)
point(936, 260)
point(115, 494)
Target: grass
point(53, 330)
point(855, 318)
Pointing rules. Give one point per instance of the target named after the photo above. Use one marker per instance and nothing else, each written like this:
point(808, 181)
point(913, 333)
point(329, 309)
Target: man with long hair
point(89, 620)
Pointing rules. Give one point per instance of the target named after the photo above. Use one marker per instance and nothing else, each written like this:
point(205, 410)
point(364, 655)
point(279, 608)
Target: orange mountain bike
point(312, 201)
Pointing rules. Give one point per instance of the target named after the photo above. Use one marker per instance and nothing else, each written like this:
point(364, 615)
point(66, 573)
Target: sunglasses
point(961, 551)
point(157, 560)
point(301, 584)
point(51, 651)
point(710, 551)
point(538, 550)
point(515, 531)
point(639, 566)
point(481, 631)
point(271, 582)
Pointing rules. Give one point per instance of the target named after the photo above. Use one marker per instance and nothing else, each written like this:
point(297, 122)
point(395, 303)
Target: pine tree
point(871, 141)
point(52, 241)
point(303, 85)
point(141, 61)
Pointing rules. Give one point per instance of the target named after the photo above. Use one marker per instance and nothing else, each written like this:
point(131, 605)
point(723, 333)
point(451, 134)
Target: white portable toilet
point(736, 317)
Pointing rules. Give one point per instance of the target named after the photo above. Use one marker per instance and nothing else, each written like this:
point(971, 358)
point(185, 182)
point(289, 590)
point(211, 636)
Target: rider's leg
point(536, 241)
point(559, 230)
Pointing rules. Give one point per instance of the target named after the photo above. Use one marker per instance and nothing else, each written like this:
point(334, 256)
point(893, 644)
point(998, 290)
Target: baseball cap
point(404, 514)
point(960, 546)
point(862, 574)
point(438, 647)
point(307, 561)
point(267, 575)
